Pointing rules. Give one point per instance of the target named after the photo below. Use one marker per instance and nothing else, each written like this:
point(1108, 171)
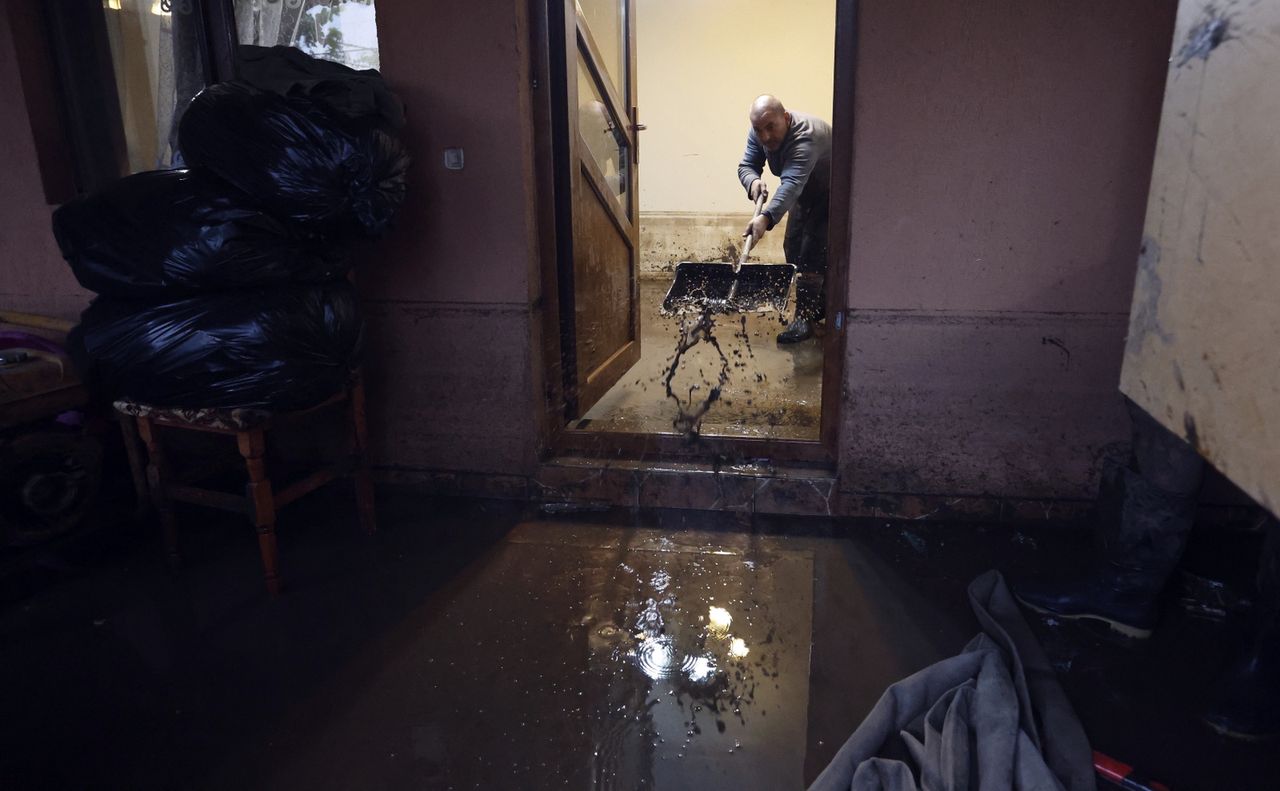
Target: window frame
point(69, 88)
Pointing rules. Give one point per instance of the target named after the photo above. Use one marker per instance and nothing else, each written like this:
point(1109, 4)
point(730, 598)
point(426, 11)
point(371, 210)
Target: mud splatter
point(1146, 307)
point(1213, 29)
point(689, 414)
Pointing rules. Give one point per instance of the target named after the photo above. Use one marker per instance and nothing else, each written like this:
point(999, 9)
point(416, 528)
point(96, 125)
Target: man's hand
point(757, 189)
point(757, 228)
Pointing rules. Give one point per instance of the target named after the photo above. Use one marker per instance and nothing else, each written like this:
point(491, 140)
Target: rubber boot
point(809, 309)
point(1142, 538)
point(1246, 698)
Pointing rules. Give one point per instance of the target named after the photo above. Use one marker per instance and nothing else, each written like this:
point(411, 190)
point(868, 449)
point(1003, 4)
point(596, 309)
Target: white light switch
point(453, 158)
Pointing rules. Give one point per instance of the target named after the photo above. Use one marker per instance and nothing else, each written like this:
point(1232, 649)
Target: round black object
point(172, 233)
point(295, 159)
point(282, 348)
point(48, 483)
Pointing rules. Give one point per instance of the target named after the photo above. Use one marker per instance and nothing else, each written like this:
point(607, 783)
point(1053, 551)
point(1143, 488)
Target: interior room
point(386, 400)
point(693, 208)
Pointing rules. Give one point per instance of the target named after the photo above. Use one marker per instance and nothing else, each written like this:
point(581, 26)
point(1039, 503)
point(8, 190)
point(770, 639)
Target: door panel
point(604, 343)
point(598, 264)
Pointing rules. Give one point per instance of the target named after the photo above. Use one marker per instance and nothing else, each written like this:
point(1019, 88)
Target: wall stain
point(1047, 341)
point(1213, 29)
point(1146, 302)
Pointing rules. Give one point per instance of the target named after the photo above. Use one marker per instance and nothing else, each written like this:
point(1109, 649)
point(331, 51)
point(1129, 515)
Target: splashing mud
point(695, 329)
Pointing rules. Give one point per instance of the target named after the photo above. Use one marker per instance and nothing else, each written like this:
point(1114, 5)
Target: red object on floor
point(1124, 775)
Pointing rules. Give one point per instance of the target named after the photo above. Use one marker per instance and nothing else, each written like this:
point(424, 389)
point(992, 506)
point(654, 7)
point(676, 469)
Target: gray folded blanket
point(992, 718)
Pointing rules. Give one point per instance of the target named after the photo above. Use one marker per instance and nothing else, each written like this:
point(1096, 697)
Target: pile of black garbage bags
point(225, 284)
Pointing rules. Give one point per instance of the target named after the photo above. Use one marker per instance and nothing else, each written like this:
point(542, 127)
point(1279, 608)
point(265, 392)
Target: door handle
point(636, 126)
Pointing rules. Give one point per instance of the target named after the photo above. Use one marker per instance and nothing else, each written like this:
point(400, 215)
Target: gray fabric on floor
point(989, 719)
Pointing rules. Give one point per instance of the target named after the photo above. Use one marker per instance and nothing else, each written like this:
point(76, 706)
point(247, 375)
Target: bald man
point(797, 147)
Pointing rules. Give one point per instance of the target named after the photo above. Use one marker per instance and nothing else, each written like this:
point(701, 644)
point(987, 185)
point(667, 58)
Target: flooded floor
point(477, 644)
point(773, 391)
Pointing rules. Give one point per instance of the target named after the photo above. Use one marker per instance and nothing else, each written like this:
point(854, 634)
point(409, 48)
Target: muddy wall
point(1002, 157)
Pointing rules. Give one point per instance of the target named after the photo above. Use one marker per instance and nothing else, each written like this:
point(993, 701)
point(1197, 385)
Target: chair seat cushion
point(235, 418)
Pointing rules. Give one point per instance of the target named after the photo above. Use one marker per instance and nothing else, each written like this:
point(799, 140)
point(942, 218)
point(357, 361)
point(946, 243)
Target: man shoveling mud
point(797, 147)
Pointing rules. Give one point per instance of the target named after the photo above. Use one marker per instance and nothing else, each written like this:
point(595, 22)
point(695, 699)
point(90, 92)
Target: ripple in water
point(659, 658)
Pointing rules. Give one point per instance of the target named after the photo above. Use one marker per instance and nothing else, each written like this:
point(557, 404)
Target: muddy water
point(772, 391)
point(581, 657)
point(696, 400)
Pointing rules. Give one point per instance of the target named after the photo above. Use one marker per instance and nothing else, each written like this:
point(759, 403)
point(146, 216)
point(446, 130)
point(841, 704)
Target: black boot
point(796, 331)
point(1142, 539)
point(1118, 598)
point(809, 309)
point(1246, 700)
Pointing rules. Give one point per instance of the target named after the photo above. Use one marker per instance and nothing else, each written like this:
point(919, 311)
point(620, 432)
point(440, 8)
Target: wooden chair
point(260, 500)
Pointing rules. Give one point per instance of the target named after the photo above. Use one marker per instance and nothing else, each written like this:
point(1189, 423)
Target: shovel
point(740, 287)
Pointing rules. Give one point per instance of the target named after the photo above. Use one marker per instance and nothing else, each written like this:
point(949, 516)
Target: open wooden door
point(597, 205)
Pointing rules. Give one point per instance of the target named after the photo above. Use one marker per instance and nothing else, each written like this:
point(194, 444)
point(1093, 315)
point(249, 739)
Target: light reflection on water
point(678, 663)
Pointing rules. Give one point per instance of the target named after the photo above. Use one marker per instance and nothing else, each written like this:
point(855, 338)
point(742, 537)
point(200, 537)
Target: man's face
point(770, 128)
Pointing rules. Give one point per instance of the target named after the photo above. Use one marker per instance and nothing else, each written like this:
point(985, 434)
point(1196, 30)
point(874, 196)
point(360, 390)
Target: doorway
point(645, 125)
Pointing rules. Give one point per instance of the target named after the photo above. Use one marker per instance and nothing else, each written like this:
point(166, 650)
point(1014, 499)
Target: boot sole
point(1227, 733)
point(1127, 631)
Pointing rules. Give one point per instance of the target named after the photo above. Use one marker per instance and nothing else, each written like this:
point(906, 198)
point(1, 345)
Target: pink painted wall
point(1002, 157)
point(450, 368)
point(33, 277)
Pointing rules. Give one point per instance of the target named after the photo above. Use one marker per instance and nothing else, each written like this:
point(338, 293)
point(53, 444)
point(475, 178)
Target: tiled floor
point(473, 644)
point(774, 391)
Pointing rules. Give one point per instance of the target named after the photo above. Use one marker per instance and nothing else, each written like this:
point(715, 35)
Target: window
point(111, 78)
point(158, 66)
point(123, 70)
point(344, 31)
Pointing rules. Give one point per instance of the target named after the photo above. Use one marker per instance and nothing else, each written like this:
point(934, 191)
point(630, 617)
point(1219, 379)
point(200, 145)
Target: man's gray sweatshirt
point(802, 162)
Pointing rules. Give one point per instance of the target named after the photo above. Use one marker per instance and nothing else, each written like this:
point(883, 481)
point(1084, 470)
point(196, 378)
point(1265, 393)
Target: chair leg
point(157, 483)
point(137, 467)
point(360, 458)
point(252, 446)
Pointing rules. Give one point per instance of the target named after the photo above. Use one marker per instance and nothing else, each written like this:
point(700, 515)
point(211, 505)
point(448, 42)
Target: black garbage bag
point(281, 348)
point(294, 159)
point(168, 234)
point(356, 98)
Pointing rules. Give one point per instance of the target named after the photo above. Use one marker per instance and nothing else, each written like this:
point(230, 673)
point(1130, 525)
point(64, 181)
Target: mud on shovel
point(718, 287)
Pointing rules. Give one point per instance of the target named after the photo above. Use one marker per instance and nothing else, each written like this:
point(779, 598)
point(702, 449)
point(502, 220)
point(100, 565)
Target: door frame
point(549, 74)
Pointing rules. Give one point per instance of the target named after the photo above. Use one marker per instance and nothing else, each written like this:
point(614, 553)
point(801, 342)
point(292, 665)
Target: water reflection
point(687, 655)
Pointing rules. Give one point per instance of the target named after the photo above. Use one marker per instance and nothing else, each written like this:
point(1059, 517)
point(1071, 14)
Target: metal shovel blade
point(754, 288)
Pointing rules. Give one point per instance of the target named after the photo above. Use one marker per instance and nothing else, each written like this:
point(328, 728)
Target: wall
point(699, 67)
point(449, 294)
point(1203, 340)
point(1002, 156)
point(33, 277)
